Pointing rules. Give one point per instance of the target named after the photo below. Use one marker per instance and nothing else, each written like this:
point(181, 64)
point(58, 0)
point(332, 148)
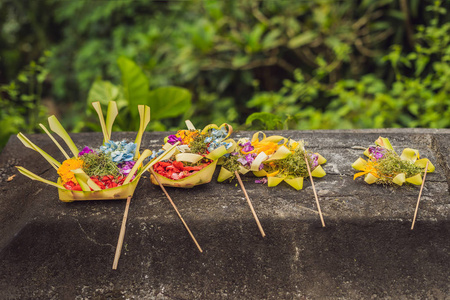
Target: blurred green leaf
point(168, 102)
point(302, 39)
point(103, 91)
point(269, 121)
point(270, 40)
point(135, 84)
point(239, 61)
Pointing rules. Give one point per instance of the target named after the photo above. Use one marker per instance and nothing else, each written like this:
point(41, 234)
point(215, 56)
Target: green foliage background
point(255, 64)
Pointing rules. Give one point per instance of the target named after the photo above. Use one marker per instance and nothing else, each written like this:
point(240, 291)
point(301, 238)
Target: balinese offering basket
point(82, 175)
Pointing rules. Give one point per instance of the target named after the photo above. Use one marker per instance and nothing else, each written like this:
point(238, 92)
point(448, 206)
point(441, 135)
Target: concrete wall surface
point(55, 250)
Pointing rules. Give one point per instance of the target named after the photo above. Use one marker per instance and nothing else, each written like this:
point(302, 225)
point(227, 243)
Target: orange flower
point(187, 136)
point(370, 167)
point(268, 148)
point(65, 171)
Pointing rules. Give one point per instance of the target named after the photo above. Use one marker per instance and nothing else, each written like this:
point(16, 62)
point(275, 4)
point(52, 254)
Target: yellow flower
point(187, 136)
point(65, 171)
point(268, 148)
point(370, 167)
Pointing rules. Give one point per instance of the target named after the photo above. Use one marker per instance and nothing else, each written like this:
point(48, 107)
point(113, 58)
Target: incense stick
point(420, 194)
point(122, 234)
point(174, 206)
point(315, 193)
point(250, 204)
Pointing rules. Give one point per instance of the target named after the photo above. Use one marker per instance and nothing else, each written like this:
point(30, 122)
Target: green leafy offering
point(99, 165)
point(294, 165)
point(385, 166)
point(392, 164)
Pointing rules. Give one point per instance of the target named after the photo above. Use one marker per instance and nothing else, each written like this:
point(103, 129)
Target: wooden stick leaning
point(121, 235)
point(250, 204)
point(315, 193)
point(420, 195)
point(174, 206)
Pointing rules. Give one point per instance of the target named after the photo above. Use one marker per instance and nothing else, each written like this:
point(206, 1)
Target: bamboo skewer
point(250, 203)
point(121, 235)
point(315, 193)
point(174, 206)
point(420, 195)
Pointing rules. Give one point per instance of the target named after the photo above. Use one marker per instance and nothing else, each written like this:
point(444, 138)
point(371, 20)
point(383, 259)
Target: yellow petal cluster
point(187, 136)
point(65, 171)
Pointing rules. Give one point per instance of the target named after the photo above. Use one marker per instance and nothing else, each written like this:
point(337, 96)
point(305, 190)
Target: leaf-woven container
point(204, 175)
point(119, 192)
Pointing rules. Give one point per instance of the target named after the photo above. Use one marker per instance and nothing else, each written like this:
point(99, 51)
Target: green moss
point(293, 165)
point(391, 165)
point(231, 163)
point(99, 165)
point(198, 145)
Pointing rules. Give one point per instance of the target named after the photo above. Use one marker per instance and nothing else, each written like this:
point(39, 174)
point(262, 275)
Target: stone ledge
point(50, 249)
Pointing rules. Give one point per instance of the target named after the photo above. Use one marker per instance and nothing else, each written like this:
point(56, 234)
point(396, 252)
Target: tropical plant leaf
point(269, 120)
point(103, 91)
point(302, 39)
point(168, 102)
point(135, 84)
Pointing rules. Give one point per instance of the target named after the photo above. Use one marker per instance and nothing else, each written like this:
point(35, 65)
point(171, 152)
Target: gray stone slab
point(55, 250)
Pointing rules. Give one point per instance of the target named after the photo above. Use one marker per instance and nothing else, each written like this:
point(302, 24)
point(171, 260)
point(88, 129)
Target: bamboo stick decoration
point(121, 235)
point(315, 193)
point(174, 206)
point(420, 195)
point(250, 204)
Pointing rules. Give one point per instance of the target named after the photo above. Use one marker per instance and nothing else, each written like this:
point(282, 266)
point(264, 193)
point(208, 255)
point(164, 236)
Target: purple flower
point(85, 150)
point(263, 180)
point(247, 160)
point(247, 147)
point(377, 152)
point(242, 160)
point(315, 161)
point(125, 167)
point(172, 139)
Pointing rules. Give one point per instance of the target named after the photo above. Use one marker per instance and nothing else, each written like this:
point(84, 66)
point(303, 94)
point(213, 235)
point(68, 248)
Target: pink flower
point(262, 180)
point(247, 147)
point(85, 150)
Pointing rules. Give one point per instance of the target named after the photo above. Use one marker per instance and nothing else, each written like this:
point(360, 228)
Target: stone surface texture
point(55, 250)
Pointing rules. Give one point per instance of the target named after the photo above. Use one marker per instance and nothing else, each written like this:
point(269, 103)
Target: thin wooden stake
point(250, 204)
point(315, 193)
point(122, 234)
point(174, 206)
point(420, 195)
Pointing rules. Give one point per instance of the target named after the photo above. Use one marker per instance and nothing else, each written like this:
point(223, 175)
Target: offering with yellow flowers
point(274, 158)
point(111, 171)
point(385, 166)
